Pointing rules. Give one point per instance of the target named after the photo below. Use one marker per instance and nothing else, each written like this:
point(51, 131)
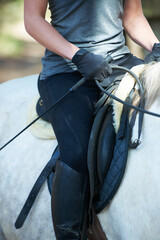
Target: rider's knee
point(76, 158)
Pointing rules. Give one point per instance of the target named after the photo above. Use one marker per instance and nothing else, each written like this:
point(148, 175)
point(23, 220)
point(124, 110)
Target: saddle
point(107, 157)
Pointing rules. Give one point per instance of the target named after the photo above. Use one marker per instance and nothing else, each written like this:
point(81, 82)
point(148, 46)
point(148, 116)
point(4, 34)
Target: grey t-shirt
point(95, 25)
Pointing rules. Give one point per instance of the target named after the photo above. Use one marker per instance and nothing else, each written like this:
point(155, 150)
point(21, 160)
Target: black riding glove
point(91, 66)
point(154, 55)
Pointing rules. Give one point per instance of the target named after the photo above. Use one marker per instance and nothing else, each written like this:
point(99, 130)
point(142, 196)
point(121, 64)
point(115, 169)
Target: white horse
point(134, 212)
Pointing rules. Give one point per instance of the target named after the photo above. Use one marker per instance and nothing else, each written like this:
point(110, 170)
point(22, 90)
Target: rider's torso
point(91, 24)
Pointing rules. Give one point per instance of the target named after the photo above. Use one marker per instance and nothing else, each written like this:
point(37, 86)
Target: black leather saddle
point(107, 156)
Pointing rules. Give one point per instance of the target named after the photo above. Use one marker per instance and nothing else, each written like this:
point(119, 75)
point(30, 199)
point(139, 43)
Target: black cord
point(132, 73)
point(123, 102)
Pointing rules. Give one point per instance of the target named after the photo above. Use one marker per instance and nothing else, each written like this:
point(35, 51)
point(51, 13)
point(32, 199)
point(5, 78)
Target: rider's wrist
point(79, 55)
point(156, 46)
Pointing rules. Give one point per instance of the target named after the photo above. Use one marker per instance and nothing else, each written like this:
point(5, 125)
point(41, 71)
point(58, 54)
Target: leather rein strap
point(50, 166)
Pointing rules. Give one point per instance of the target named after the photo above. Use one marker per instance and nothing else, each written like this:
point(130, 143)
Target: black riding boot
point(69, 203)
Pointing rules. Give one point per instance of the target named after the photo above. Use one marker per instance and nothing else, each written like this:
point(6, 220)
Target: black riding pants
point(72, 118)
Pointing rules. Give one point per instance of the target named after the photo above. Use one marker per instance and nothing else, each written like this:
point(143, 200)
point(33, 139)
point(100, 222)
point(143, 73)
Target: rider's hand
point(91, 66)
point(154, 55)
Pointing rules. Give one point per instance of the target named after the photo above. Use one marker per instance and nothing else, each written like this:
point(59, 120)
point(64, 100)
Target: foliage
point(9, 10)
point(10, 46)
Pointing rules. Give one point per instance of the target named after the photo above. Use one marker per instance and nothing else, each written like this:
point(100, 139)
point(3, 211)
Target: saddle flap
point(116, 169)
point(98, 149)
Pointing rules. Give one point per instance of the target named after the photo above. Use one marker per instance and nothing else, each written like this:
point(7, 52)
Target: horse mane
point(149, 75)
point(150, 79)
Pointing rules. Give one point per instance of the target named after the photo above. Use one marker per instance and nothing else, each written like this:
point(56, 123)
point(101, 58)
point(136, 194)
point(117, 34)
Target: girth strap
point(137, 141)
point(50, 166)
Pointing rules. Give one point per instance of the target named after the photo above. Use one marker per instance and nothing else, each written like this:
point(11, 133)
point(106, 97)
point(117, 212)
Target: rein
point(77, 85)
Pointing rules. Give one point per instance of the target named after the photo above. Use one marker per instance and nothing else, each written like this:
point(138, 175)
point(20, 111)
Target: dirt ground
point(11, 68)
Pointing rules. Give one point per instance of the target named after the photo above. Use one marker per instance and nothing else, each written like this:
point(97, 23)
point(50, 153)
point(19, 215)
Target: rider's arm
point(46, 35)
point(137, 26)
point(43, 32)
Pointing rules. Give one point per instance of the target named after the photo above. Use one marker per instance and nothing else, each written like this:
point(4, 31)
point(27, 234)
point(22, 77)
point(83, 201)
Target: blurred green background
point(20, 55)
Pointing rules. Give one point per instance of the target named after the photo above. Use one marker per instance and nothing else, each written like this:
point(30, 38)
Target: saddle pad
point(41, 128)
